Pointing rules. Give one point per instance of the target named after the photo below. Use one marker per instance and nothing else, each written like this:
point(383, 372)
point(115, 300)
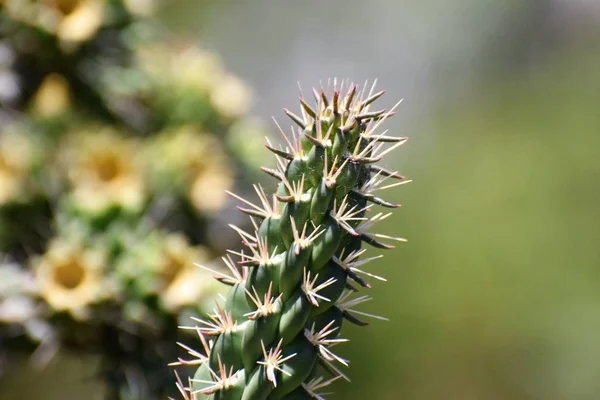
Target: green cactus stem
point(296, 280)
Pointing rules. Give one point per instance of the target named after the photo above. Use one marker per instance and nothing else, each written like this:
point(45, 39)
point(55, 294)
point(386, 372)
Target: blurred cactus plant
point(117, 147)
point(296, 280)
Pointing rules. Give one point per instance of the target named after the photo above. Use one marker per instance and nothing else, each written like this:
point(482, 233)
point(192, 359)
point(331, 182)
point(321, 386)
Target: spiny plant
point(297, 277)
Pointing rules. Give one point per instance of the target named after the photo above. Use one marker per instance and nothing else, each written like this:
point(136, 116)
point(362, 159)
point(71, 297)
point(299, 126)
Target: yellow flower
point(65, 7)
point(208, 190)
point(197, 68)
point(52, 97)
point(70, 20)
point(181, 67)
point(103, 170)
point(212, 176)
point(199, 159)
point(184, 283)
point(185, 149)
point(230, 97)
point(69, 278)
point(16, 159)
point(82, 21)
point(140, 7)
point(189, 69)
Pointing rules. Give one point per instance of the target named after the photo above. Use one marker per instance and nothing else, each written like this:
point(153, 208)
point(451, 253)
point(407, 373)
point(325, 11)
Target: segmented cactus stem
point(297, 277)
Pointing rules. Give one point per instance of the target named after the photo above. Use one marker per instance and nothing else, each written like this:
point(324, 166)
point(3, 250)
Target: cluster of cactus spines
point(295, 280)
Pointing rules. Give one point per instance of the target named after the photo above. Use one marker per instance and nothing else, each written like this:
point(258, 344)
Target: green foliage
point(295, 281)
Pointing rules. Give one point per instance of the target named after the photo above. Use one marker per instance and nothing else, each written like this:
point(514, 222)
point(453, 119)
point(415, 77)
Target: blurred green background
point(496, 295)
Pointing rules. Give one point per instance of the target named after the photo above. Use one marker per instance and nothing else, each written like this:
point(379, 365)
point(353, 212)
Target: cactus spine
point(295, 281)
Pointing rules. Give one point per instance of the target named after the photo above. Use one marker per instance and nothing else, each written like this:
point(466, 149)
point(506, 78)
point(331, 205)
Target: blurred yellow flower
point(16, 159)
point(182, 66)
point(192, 69)
point(200, 160)
point(69, 277)
point(230, 97)
point(208, 191)
point(79, 20)
point(70, 20)
point(52, 97)
point(184, 283)
point(140, 7)
point(104, 170)
point(198, 68)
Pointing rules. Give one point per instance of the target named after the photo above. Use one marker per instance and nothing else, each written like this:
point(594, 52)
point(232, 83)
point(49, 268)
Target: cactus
point(296, 279)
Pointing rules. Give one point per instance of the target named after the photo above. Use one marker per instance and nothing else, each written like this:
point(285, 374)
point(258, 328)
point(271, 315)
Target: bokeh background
point(496, 295)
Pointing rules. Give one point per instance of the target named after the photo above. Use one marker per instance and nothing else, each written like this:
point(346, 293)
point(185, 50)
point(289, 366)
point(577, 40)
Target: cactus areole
point(297, 278)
